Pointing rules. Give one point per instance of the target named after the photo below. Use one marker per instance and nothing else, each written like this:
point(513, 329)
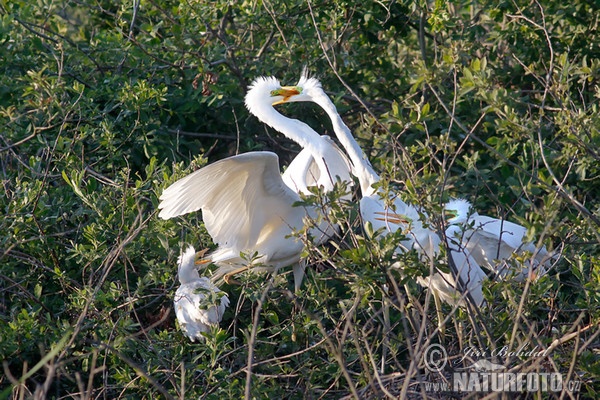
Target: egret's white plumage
point(199, 304)
point(493, 241)
point(247, 206)
point(396, 214)
point(332, 164)
point(303, 172)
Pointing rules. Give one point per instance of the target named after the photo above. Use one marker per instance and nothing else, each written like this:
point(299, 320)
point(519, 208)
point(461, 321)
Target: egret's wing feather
point(238, 196)
point(500, 230)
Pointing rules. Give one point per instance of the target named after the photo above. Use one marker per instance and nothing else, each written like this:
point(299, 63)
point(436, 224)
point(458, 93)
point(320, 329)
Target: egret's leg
point(227, 276)
point(299, 270)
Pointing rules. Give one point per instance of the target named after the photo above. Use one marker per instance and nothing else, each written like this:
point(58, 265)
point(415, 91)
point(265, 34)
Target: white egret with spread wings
point(246, 205)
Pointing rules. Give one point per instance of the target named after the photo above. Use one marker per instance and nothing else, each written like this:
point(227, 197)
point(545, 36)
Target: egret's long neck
point(362, 167)
point(295, 130)
point(187, 269)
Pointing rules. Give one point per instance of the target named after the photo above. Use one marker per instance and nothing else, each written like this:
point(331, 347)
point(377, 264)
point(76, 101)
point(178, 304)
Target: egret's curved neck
point(295, 130)
point(363, 168)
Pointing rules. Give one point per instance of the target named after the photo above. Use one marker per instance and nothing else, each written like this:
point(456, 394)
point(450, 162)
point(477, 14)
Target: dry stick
point(387, 329)
point(519, 314)
point(403, 307)
point(349, 327)
point(571, 367)
point(373, 364)
point(203, 134)
point(182, 386)
point(291, 355)
point(252, 339)
point(591, 339)
point(339, 358)
point(569, 336)
point(136, 7)
point(416, 353)
point(271, 13)
point(560, 341)
point(144, 331)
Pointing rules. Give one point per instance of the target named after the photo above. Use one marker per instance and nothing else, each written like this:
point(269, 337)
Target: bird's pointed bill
point(450, 214)
point(286, 92)
point(200, 257)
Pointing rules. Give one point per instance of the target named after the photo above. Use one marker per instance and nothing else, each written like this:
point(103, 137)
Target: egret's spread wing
point(239, 197)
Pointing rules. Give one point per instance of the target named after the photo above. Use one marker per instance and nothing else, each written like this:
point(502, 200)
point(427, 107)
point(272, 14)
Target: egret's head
point(307, 89)
point(261, 93)
point(268, 90)
point(457, 211)
point(186, 266)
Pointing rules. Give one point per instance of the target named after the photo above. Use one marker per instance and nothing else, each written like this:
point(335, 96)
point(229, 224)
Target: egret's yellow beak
point(286, 92)
point(200, 257)
point(450, 214)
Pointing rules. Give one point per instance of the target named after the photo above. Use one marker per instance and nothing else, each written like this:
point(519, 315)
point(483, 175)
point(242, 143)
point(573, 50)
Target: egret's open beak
point(393, 218)
point(450, 214)
point(286, 92)
point(200, 257)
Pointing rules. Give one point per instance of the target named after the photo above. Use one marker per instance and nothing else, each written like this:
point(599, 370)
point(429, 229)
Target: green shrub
point(103, 105)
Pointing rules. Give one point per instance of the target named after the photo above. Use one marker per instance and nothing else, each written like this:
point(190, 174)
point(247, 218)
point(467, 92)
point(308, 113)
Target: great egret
point(393, 214)
point(199, 304)
point(493, 241)
point(247, 207)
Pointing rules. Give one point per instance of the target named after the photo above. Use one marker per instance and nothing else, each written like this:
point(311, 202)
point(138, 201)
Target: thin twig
point(252, 338)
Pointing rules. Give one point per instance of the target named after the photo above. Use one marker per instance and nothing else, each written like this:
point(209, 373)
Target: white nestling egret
point(199, 303)
point(246, 205)
point(493, 241)
point(395, 214)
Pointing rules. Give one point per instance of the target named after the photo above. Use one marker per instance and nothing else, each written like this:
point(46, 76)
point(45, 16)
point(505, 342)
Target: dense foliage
point(103, 104)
